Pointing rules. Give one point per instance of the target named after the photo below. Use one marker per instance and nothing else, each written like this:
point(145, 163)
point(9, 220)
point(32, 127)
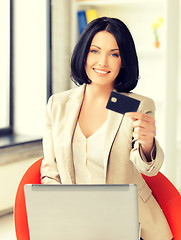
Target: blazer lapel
point(72, 111)
point(114, 122)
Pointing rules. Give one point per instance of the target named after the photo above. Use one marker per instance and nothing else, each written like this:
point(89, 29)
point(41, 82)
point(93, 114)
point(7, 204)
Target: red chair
point(163, 190)
point(169, 200)
point(31, 176)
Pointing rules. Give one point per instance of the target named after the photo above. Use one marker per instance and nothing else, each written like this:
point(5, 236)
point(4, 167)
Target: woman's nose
point(103, 61)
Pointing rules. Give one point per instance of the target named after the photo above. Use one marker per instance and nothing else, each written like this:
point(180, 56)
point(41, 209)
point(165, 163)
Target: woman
point(84, 142)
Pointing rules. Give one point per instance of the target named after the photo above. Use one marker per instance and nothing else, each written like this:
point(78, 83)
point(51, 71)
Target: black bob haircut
point(128, 75)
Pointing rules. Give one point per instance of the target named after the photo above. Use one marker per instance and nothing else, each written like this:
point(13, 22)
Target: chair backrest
point(163, 190)
point(31, 176)
point(169, 200)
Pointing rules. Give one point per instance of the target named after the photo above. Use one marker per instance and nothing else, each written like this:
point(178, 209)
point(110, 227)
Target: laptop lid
point(82, 212)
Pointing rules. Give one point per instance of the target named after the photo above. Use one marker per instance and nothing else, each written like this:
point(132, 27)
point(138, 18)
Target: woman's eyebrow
point(111, 50)
point(116, 49)
point(95, 46)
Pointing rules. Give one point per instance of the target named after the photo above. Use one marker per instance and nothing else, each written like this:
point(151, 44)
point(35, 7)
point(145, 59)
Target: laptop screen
point(82, 212)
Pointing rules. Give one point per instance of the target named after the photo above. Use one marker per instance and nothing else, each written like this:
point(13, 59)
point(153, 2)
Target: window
point(25, 55)
point(31, 65)
point(6, 67)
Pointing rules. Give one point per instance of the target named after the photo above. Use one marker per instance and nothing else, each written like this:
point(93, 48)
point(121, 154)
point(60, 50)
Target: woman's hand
point(144, 131)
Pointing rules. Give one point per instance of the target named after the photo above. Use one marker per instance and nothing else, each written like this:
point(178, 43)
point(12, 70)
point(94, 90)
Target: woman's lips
point(101, 71)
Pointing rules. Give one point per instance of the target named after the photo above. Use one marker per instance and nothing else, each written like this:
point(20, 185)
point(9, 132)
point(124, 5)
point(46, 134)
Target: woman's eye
point(93, 51)
point(115, 55)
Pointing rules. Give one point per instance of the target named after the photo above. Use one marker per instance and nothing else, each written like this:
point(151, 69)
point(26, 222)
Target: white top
point(90, 167)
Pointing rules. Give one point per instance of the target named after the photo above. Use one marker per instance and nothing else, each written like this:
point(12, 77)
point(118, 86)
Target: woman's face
point(103, 60)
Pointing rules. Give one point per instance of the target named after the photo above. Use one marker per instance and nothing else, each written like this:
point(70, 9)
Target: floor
point(7, 231)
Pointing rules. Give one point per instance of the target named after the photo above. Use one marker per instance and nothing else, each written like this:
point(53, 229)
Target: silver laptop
point(82, 212)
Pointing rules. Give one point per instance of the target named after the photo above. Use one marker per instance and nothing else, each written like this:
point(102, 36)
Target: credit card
point(120, 103)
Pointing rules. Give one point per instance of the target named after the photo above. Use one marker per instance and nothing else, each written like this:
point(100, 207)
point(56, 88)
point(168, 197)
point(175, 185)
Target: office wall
point(10, 176)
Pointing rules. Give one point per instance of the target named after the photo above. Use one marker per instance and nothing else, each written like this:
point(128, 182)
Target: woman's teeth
point(101, 71)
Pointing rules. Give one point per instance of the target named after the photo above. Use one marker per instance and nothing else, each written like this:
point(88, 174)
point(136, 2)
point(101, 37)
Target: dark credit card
point(120, 103)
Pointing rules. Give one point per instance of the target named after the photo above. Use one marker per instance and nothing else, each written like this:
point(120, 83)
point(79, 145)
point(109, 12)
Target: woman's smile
point(101, 72)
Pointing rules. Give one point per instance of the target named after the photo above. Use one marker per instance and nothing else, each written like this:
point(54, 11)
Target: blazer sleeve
point(49, 170)
point(151, 168)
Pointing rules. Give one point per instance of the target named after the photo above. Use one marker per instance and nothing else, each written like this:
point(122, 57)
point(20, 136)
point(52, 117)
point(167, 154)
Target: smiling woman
point(85, 143)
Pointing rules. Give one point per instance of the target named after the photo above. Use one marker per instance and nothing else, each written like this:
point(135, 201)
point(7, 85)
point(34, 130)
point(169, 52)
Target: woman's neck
point(97, 93)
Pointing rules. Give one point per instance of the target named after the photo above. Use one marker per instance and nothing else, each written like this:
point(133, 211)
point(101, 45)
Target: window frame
point(9, 129)
point(49, 47)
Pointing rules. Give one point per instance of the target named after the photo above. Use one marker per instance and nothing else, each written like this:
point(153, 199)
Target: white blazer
point(124, 163)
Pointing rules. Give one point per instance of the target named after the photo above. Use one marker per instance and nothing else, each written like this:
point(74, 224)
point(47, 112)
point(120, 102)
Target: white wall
point(171, 100)
point(10, 176)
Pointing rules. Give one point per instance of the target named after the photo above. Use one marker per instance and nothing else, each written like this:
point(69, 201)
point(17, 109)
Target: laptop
point(82, 212)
